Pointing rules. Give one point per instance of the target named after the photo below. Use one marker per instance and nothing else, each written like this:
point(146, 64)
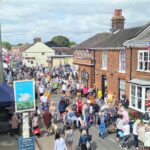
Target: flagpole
point(1, 57)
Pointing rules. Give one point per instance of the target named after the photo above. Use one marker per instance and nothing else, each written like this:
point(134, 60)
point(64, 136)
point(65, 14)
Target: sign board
point(24, 93)
point(26, 143)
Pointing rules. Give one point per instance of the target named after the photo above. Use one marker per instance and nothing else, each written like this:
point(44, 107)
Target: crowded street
point(63, 104)
point(47, 143)
point(74, 75)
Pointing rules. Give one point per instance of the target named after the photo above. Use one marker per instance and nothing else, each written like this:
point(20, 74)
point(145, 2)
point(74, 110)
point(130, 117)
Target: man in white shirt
point(64, 88)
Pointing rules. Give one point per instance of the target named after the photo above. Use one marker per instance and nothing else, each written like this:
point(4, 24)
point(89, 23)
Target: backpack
point(69, 138)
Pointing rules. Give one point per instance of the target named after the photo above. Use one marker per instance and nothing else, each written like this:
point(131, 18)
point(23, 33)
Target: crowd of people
point(79, 108)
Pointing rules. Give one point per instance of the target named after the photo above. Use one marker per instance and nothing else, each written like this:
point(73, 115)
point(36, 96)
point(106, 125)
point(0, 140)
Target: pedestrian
point(83, 140)
point(53, 111)
point(62, 107)
point(135, 133)
point(69, 137)
point(119, 126)
point(14, 124)
point(59, 143)
point(41, 89)
point(102, 125)
point(47, 120)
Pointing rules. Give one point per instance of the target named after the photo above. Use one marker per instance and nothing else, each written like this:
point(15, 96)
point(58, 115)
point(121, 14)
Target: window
point(31, 61)
point(133, 88)
point(147, 99)
point(43, 53)
point(144, 61)
point(122, 89)
point(140, 96)
point(104, 59)
point(84, 77)
point(122, 60)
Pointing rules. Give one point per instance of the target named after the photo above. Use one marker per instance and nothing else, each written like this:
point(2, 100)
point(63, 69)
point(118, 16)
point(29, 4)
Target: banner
point(24, 93)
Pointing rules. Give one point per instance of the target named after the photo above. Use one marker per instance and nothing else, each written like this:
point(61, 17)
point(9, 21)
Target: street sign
point(24, 95)
point(26, 143)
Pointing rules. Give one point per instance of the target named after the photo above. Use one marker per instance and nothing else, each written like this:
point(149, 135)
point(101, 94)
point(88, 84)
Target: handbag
point(88, 144)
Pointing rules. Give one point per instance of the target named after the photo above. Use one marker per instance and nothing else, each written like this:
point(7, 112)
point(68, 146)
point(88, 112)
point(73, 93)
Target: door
point(104, 85)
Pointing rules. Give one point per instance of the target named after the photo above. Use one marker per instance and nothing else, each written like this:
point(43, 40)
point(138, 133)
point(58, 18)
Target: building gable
point(39, 47)
point(141, 40)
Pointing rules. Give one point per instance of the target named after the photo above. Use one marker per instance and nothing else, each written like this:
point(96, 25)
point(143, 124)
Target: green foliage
point(61, 41)
point(20, 44)
point(6, 45)
point(72, 43)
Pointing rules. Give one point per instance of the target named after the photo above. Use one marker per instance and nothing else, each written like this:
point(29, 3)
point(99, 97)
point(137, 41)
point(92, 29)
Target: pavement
point(47, 142)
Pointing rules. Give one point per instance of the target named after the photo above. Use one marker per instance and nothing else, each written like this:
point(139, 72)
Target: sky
point(23, 20)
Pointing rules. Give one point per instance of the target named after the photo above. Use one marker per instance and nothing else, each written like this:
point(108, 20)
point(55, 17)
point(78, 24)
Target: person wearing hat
point(135, 133)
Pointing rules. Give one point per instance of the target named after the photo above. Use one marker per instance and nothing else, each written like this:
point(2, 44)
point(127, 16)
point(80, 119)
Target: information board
point(26, 143)
point(24, 95)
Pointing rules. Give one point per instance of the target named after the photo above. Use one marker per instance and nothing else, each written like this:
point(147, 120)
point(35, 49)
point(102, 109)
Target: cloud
point(77, 19)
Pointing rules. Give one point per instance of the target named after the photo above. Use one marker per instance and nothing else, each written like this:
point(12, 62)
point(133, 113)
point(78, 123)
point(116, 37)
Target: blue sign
point(27, 143)
point(24, 95)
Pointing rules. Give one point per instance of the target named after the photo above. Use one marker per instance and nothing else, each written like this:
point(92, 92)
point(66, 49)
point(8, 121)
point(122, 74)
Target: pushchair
point(125, 142)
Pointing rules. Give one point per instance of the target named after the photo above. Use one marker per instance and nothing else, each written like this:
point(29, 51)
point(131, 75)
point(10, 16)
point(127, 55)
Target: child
point(102, 125)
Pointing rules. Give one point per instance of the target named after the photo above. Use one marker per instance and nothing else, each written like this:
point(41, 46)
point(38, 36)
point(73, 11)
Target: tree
point(20, 44)
point(72, 43)
point(61, 41)
point(6, 45)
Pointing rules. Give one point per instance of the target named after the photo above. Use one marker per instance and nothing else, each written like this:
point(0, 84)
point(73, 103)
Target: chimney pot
point(37, 39)
point(118, 12)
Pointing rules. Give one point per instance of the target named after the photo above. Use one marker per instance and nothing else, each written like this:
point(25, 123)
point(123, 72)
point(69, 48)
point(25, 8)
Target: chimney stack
point(37, 39)
point(117, 20)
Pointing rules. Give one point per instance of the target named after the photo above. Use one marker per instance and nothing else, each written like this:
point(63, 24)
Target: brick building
point(121, 63)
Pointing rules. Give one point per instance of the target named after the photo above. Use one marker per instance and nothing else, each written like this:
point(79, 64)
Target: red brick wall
point(112, 73)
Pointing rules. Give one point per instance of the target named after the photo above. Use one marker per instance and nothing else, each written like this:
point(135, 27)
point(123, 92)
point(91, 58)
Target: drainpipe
point(131, 51)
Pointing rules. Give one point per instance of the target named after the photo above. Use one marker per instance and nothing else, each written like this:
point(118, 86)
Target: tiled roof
point(94, 40)
point(117, 39)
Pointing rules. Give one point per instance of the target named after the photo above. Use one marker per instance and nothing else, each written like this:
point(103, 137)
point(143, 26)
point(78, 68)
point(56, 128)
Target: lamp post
point(1, 58)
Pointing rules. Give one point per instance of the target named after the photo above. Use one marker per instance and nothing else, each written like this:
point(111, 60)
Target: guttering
point(107, 48)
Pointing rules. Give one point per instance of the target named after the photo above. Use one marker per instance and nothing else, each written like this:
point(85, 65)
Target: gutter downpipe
point(130, 62)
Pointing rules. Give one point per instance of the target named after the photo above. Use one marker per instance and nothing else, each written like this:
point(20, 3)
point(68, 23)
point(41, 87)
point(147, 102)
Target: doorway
point(104, 85)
